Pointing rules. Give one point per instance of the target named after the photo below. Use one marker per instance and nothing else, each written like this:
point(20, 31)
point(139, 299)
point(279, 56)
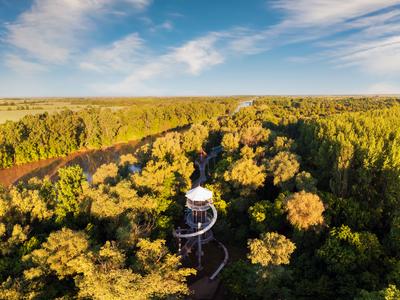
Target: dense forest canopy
point(307, 192)
point(45, 135)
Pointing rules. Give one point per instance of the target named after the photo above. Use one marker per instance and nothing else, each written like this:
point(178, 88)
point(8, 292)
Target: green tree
point(6, 156)
point(69, 191)
point(240, 279)
point(390, 293)
point(305, 182)
point(266, 215)
point(347, 251)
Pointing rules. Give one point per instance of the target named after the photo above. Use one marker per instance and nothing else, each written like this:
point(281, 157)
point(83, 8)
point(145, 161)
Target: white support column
point(199, 267)
point(179, 242)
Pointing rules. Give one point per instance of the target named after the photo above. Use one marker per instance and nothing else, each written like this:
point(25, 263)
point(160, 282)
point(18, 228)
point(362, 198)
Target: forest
point(45, 135)
point(307, 191)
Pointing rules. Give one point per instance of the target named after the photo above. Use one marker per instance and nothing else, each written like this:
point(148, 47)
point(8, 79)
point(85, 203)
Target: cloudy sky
point(198, 47)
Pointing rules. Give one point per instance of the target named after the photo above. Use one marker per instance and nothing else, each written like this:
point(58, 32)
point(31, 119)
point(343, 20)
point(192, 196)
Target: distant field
point(15, 109)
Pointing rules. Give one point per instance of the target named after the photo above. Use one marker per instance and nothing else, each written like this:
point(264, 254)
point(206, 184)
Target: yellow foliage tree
point(64, 253)
point(271, 249)
point(245, 175)
point(283, 167)
point(254, 135)
point(105, 173)
point(304, 210)
point(230, 142)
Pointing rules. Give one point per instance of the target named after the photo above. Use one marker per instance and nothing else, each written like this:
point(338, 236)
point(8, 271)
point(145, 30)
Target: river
point(89, 160)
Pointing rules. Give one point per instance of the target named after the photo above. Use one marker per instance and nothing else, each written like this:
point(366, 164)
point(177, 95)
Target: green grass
point(15, 109)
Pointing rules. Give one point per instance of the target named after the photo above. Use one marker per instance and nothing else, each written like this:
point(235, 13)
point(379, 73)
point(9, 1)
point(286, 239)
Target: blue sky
point(198, 47)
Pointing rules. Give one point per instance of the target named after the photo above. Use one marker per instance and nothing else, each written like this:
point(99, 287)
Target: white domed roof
point(199, 194)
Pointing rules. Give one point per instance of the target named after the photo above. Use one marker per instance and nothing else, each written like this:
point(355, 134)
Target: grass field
point(15, 109)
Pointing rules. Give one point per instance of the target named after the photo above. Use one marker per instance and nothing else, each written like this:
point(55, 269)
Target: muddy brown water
point(89, 160)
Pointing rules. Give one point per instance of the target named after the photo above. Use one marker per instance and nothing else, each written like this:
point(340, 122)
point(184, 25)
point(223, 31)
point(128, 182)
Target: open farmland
point(16, 109)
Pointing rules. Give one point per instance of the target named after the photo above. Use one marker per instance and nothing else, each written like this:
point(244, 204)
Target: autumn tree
point(163, 178)
point(160, 274)
point(245, 175)
point(167, 148)
point(304, 210)
point(105, 174)
point(127, 159)
point(124, 215)
point(194, 138)
point(230, 142)
point(283, 143)
point(30, 205)
point(12, 237)
point(103, 274)
point(271, 249)
point(254, 135)
point(64, 253)
point(283, 167)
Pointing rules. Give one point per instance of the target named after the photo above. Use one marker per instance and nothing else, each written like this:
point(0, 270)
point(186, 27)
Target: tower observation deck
point(200, 217)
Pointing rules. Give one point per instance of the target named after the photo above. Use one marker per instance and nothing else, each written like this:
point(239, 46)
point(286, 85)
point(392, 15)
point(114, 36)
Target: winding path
point(192, 237)
point(206, 287)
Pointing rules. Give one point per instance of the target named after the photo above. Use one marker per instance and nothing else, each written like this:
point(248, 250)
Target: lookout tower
point(200, 216)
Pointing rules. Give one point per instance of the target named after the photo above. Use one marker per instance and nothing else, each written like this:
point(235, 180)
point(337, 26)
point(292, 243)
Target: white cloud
point(141, 4)
point(359, 31)
point(304, 20)
point(198, 54)
point(19, 65)
point(193, 57)
point(384, 88)
point(381, 56)
point(298, 59)
point(327, 12)
point(53, 30)
point(48, 30)
point(121, 56)
point(315, 19)
point(166, 25)
point(362, 33)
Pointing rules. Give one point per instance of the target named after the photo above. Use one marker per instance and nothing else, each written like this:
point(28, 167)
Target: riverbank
point(88, 159)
